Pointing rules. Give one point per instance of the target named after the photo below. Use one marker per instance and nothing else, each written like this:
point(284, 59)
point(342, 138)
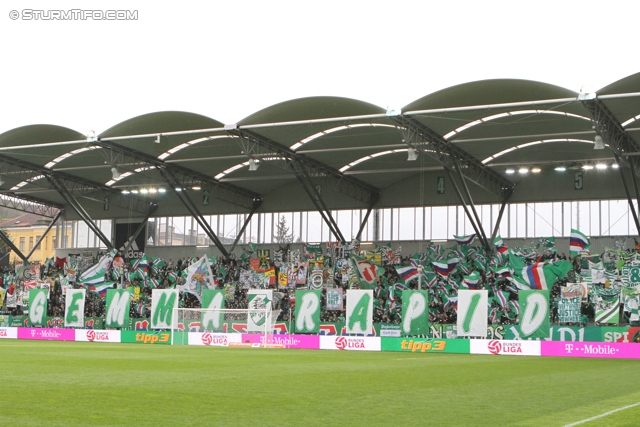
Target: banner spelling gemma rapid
point(37, 307)
point(118, 306)
point(259, 300)
point(213, 300)
point(164, 301)
point(359, 311)
point(74, 308)
point(534, 314)
point(472, 313)
point(308, 312)
point(415, 313)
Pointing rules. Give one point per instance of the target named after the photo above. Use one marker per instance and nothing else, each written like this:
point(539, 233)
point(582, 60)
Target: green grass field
point(82, 384)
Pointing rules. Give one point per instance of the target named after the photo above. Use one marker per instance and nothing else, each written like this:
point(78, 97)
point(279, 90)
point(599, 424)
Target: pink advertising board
point(287, 341)
point(591, 349)
point(46, 334)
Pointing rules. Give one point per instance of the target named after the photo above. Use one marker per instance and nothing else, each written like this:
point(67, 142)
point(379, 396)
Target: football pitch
point(83, 384)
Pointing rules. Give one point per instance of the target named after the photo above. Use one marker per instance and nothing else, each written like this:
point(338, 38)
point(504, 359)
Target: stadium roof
point(345, 153)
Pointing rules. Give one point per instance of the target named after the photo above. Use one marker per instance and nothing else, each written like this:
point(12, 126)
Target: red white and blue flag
point(465, 240)
point(442, 268)
point(578, 242)
point(407, 274)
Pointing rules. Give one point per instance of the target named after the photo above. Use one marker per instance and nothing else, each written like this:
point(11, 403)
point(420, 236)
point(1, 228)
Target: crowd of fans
point(387, 292)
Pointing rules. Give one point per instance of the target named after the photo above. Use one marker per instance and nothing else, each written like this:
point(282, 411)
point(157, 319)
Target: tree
point(282, 232)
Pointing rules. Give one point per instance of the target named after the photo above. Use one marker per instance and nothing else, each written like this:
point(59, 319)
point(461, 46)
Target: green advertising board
point(146, 337)
point(421, 345)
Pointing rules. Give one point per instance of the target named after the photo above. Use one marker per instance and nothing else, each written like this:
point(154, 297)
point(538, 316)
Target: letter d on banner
point(472, 313)
point(534, 317)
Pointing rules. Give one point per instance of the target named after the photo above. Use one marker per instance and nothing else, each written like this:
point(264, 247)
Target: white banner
point(8, 332)
point(97, 335)
point(74, 308)
point(213, 339)
point(350, 343)
point(163, 302)
point(505, 347)
point(259, 299)
point(472, 313)
point(359, 311)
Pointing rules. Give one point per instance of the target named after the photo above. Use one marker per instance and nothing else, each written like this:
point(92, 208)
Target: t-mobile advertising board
point(311, 342)
point(506, 347)
point(350, 343)
point(46, 334)
point(614, 350)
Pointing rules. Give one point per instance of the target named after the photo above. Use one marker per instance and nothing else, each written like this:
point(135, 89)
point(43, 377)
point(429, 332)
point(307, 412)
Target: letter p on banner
point(415, 313)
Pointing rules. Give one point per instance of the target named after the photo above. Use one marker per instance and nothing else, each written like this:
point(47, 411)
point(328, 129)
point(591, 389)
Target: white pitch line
point(602, 415)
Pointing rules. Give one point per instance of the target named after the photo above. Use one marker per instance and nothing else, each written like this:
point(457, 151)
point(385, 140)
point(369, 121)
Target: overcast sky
point(229, 59)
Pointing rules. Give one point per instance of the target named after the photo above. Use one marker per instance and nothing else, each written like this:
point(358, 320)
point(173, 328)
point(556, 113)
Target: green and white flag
point(534, 314)
point(569, 310)
point(308, 312)
point(260, 320)
point(359, 311)
point(117, 308)
point(74, 308)
point(95, 274)
point(472, 313)
point(631, 297)
point(607, 304)
point(38, 307)
point(163, 302)
point(213, 300)
point(415, 313)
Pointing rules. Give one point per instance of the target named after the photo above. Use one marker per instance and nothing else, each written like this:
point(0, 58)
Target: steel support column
point(256, 205)
point(482, 236)
point(13, 247)
point(77, 207)
point(144, 222)
point(173, 181)
point(55, 219)
point(499, 220)
point(464, 206)
point(336, 233)
point(366, 216)
point(626, 190)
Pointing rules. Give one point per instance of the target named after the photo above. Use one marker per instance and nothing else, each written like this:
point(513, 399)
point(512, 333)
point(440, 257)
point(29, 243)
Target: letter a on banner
point(415, 313)
point(37, 307)
point(118, 303)
point(534, 314)
point(472, 313)
point(308, 312)
point(359, 311)
point(162, 305)
point(213, 300)
point(74, 308)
